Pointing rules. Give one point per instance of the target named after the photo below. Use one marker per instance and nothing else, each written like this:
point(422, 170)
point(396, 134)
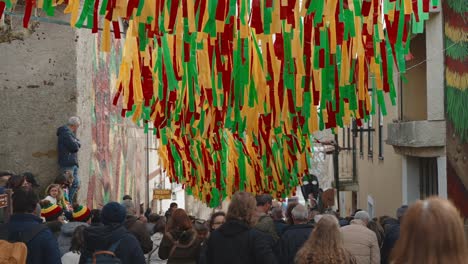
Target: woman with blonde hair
point(432, 233)
point(325, 245)
point(53, 193)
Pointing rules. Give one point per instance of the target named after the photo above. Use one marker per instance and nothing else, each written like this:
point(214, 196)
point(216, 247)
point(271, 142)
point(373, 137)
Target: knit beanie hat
point(51, 212)
point(81, 213)
point(113, 212)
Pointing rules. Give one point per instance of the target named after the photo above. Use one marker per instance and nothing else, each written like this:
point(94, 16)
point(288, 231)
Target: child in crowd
point(54, 193)
point(77, 243)
point(64, 181)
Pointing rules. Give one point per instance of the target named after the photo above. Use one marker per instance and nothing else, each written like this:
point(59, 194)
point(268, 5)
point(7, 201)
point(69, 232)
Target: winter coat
point(266, 225)
point(65, 237)
point(68, 146)
point(391, 237)
point(102, 238)
point(280, 226)
point(43, 248)
point(186, 251)
point(154, 258)
point(236, 243)
point(361, 242)
point(291, 241)
point(138, 229)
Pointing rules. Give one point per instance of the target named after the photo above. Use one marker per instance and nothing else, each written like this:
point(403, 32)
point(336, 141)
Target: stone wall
point(54, 73)
point(38, 94)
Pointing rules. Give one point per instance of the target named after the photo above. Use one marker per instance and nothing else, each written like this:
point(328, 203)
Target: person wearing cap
point(81, 216)
point(112, 231)
point(53, 215)
point(360, 241)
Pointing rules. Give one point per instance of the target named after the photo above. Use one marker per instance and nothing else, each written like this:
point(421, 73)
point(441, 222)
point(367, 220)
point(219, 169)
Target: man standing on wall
point(68, 146)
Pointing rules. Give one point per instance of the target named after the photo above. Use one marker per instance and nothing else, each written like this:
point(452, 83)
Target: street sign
point(3, 200)
point(161, 194)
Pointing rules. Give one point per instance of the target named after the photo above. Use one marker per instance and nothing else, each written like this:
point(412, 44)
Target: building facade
point(401, 157)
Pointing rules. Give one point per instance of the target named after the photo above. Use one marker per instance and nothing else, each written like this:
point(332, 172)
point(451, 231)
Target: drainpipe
point(147, 197)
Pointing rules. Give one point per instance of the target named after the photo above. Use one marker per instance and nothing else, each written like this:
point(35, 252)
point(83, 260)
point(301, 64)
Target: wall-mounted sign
point(3, 200)
point(161, 194)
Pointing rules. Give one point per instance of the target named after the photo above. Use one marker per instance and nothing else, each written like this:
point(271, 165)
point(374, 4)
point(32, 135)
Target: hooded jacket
point(102, 238)
point(236, 243)
point(180, 247)
point(68, 146)
point(65, 237)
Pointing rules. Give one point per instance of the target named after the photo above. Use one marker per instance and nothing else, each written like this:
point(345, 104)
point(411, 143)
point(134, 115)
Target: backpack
point(105, 256)
point(15, 250)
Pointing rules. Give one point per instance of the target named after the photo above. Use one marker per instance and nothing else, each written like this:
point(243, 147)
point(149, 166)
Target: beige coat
point(361, 242)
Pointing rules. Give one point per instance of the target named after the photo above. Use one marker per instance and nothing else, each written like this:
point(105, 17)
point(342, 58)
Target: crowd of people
point(255, 229)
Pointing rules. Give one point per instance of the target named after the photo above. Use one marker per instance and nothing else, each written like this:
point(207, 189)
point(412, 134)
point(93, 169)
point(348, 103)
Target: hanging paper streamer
point(235, 88)
point(456, 65)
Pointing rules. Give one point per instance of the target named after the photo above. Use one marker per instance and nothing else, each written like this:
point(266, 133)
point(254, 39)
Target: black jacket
point(102, 237)
point(236, 243)
point(43, 248)
point(391, 237)
point(291, 241)
point(280, 226)
point(68, 146)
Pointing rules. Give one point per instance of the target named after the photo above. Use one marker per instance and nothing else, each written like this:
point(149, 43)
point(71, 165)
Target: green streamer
point(87, 8)
point(168, 63)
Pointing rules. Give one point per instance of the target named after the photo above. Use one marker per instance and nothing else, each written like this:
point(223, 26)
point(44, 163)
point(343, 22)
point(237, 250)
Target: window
point(428, 177)
point(370, 206)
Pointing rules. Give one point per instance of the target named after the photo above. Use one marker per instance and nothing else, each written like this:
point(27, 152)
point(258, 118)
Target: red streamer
point(27, 12)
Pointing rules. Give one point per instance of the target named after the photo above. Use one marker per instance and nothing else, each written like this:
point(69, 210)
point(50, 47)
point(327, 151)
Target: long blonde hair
point(59, 190)
point(325, 244)
point(438, 222)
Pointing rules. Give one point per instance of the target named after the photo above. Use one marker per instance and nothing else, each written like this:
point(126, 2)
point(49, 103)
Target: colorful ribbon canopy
point(235, 88)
